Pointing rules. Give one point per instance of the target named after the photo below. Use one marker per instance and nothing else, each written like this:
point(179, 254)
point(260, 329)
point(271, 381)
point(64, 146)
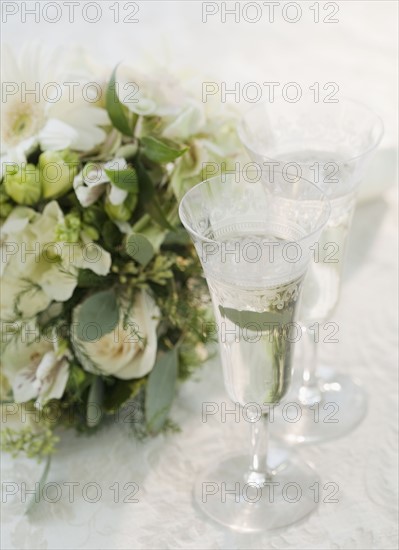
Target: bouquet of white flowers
point(101, 290)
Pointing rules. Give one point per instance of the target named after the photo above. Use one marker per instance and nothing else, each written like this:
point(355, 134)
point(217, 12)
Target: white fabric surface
point(358, 53)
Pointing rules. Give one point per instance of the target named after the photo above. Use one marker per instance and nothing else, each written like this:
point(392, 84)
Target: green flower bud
point(91, 232)
point(5, 204)
point(69, 230)
point(131, 201)
point(127, 151)
point(93, 215)
point(3, 195)
point(23, 184)
point(57, 172)
point(121, 212)
point(5, 210)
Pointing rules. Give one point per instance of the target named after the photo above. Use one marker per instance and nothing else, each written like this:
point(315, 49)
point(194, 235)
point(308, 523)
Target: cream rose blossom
point(129, 351)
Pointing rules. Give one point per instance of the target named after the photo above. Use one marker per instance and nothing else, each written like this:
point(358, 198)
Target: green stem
point(35, 498)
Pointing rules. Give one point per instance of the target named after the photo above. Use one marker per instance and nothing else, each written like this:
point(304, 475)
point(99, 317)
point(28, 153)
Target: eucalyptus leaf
point(253, 320)
point(125, 179)
point(139, 248)
point(150, 229)
point(36, 496)
point(148, 199)
point(96, 395)
point(160, 390)
point(99, 312)
point(116, 110)
point(160, 151)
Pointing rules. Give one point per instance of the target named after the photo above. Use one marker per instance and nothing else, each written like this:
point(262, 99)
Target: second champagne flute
point(331, 145)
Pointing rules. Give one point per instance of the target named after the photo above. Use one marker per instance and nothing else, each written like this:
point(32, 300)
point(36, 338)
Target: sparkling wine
point(255, 321)
point(330, 171)
point(323, 281)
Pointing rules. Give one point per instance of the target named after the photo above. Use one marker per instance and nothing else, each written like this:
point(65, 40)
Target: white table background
point(359, 53)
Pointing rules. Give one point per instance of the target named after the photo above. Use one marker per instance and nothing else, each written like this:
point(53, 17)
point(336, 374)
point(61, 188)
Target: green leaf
point(253, 320)
point(180, 237)
point(37, 495)
point(120, 392)
point(78, 381)
point(125, 179)
point(160, 390)
point(116, 110)
point(96, 394)
point(139, 248)
point(88, 279)
point(148, 199)
point(150, 229)
point(98, 315)
point(111, 235)
point(160, 151)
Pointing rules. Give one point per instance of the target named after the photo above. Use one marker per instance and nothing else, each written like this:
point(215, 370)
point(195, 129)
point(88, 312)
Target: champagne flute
point(254, 240)
point(330, 144)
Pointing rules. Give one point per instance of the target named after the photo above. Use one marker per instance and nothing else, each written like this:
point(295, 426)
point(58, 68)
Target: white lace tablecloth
point(111, 470)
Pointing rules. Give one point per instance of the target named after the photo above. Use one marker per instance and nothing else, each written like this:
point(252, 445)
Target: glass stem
point(258, 471)
point(309, 392)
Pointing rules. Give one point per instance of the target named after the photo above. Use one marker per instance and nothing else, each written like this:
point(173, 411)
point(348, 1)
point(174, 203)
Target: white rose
point(190, 121)
point(129, 351)
point(143, 95)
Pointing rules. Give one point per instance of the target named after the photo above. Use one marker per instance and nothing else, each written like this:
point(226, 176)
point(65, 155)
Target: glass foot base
point(342, 407)
point(288, 495)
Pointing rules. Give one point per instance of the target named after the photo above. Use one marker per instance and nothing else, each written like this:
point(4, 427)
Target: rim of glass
point(240, 129)
point(321, 223)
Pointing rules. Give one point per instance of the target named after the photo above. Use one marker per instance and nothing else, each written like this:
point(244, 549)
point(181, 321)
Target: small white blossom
point(92, 181)
point(36, 369)
point(32, 280)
